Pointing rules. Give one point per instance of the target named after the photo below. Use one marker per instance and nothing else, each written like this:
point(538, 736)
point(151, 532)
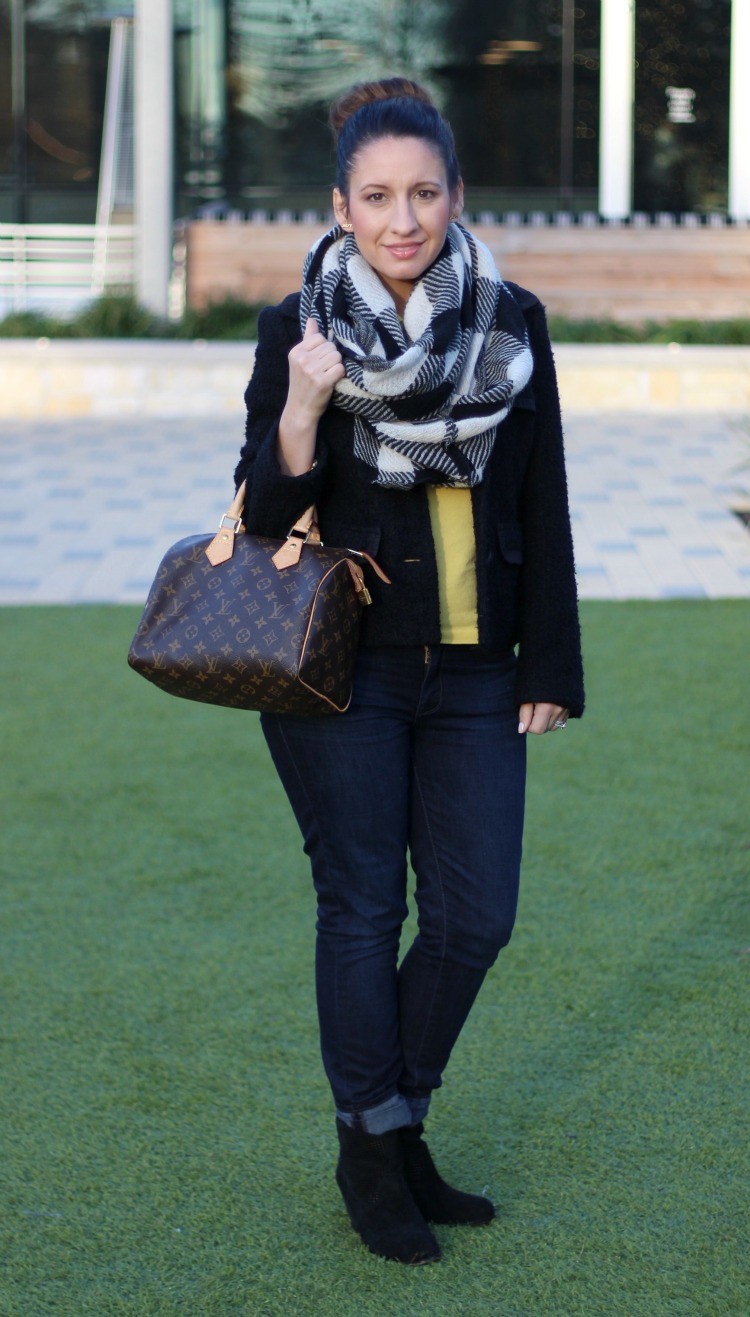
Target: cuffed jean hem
point(392, 1114)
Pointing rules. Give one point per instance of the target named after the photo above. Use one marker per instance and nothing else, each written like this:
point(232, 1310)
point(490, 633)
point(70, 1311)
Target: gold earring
point(346, 224)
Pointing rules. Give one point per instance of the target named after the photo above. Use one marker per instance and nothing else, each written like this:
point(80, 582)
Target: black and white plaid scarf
point(427, 394)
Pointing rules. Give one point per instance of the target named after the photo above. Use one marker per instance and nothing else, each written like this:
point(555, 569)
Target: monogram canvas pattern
point(247, 635)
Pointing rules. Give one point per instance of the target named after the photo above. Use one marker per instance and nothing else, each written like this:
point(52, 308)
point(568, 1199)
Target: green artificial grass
point(166, 1134)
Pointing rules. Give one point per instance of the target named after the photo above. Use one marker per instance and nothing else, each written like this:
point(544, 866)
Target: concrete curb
point(117, 377)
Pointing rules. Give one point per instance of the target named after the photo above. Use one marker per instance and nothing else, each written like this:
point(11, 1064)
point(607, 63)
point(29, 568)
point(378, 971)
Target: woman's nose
point(403, 219)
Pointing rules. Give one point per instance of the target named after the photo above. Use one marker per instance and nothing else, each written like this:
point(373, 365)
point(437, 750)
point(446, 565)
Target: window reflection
point(493, 65)
point(505, 99)
point(74, 13)
point(201, 101)
point(53, 175)
point(65, 92)
point(682, 54)
point(7, 169)
point(519, 80)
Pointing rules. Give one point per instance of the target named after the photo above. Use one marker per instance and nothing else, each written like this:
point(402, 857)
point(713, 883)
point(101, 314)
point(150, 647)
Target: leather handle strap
point(236, 507)
point(304, 531)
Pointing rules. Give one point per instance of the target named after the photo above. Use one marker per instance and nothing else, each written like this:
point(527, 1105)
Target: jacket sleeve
point(550, 667)
point(273, 500)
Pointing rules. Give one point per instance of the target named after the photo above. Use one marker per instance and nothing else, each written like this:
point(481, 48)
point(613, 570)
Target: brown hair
point(365, 93)
point(393, 107)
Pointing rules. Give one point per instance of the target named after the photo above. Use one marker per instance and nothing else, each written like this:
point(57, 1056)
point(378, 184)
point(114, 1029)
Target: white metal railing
point(61, 266)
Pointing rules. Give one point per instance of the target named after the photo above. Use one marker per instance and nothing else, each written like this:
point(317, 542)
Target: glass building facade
point(519, 80)
point(53, 77)
point(681, 126)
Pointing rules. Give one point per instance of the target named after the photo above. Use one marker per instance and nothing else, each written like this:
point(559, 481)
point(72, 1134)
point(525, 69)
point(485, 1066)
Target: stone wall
point(140, 378)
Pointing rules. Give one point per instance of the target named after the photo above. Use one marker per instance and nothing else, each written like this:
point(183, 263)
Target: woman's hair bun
point(393, 107)
point(365, 93)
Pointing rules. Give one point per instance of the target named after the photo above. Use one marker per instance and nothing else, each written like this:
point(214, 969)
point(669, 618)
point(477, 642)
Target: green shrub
point(563, 330)
point(718, 332)
point(33, 324)
point(702, 331)
point(228, 319)
point(120, 316)
point(115, 316)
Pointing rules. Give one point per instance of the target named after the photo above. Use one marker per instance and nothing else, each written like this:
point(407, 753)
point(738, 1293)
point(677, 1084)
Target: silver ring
point(560, 726)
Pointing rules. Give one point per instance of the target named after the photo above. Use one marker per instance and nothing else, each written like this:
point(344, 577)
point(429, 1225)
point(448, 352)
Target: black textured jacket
point(526, 589)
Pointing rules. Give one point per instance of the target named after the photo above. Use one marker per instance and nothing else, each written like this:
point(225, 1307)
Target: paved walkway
point(87, 507)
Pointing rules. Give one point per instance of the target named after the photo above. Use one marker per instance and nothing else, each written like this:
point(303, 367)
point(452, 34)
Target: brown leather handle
point(307, 523)
point(237, 505)
point(304, 531)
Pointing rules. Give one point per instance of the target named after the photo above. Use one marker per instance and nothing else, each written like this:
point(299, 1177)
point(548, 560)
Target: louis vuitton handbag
point(254, 623)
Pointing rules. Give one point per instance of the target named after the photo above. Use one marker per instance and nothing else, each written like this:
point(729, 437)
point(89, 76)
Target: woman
point(410, 395)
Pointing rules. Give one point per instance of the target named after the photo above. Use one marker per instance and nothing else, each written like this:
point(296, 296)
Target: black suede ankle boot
point(370, 1175)
point(436, 1200)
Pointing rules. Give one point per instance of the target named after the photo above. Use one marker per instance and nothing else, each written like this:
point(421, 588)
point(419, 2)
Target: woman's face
point(399, 208)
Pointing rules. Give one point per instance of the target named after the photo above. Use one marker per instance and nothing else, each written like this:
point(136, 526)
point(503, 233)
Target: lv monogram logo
point(237, 657)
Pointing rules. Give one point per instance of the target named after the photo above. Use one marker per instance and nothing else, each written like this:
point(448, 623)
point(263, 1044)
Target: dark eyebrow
point(384, 187)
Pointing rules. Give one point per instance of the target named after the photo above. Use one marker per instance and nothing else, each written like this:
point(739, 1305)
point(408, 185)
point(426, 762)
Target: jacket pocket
point(364, 539)
point(510, 540)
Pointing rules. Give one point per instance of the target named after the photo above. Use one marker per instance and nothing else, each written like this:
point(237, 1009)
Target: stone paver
point(87, 507)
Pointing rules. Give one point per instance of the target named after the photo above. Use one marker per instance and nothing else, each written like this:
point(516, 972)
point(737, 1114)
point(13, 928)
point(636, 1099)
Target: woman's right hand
point(315, 367)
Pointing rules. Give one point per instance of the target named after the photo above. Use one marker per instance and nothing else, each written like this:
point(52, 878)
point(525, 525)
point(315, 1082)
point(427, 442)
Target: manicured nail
point(521, 727)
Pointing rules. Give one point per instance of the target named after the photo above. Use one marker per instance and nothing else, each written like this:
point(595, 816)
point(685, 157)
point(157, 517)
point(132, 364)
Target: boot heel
point(370, 1176)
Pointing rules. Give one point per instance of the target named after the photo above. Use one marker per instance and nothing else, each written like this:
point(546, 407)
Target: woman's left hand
point(541, 718)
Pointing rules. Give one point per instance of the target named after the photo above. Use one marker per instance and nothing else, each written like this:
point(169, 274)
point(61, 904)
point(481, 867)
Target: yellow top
point(455, 549)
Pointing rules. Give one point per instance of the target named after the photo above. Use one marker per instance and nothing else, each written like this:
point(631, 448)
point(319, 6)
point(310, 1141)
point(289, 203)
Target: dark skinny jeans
point(427, 760)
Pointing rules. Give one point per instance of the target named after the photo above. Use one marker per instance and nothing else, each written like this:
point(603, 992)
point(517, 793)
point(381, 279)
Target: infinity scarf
point(427, 394)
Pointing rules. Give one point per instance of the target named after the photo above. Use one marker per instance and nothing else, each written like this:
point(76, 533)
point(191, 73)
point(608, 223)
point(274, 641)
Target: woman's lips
point(405, 250)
